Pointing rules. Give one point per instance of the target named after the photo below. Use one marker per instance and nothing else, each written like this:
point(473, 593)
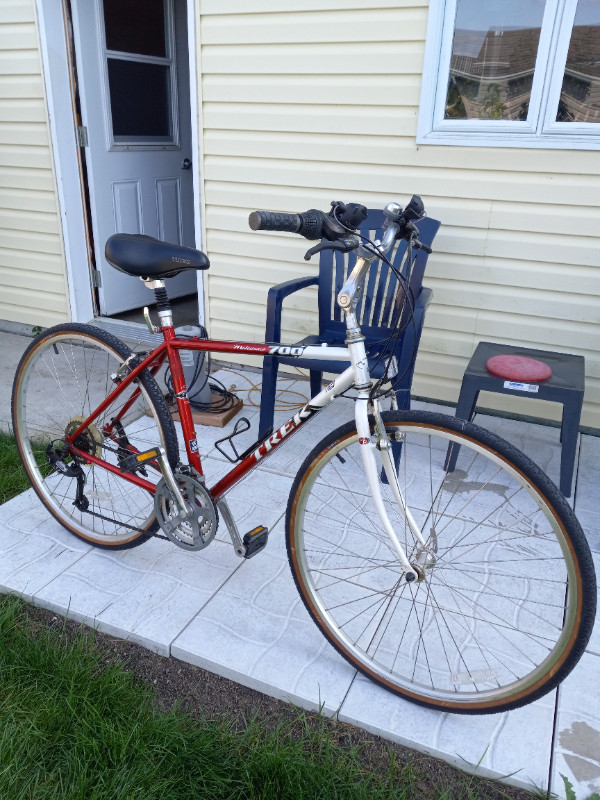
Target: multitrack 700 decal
point(271, 350)
point(284, 350)
point(289, 426)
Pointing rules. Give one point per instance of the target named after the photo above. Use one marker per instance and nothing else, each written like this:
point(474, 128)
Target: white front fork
point(347, 300)
point(385, 447)
point(367, 451)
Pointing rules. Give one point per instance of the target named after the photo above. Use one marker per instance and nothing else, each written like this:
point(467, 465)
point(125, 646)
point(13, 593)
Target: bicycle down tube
point(167, 350)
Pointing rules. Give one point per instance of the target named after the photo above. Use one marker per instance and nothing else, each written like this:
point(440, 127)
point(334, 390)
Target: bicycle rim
point(501, 612)
point(62, 378)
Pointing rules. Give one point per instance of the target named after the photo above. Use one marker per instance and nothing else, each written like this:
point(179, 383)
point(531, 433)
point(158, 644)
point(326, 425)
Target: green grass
point(74, 728)
point(13, 479)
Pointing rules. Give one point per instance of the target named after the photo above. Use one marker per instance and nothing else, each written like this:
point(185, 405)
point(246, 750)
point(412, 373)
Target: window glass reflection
point(580, 93)
point(494, 50)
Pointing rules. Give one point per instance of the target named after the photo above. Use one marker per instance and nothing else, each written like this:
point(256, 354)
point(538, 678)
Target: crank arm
point(236, 540)
point(159, 454)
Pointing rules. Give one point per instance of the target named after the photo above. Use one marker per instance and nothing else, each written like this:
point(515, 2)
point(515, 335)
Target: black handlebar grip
point(274, 221)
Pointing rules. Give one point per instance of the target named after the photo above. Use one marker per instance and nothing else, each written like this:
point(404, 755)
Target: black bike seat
point(146, 257)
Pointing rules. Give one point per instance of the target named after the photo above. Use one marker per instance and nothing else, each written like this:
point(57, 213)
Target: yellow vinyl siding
point(304, 102)
point(32, 265)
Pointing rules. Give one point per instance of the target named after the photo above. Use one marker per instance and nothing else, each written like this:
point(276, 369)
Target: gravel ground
point(204, 694)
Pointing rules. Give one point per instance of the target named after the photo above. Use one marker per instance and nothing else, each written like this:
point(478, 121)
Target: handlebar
point(312, 224)
point(338, 227)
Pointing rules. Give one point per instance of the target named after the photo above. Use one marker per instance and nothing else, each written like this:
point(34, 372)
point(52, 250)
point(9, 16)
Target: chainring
point(196, 531)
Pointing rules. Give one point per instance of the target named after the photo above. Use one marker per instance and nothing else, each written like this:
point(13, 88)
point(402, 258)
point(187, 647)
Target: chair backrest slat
point(384, 274)
point(383, 294)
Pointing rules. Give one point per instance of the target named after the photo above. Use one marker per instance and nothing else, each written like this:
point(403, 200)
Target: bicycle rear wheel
point(65, 374)
point(505, 603)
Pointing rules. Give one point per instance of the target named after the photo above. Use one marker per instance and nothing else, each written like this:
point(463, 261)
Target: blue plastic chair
point(381, 298)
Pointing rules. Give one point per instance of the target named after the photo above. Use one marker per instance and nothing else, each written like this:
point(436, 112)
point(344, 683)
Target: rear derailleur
point(56, 457)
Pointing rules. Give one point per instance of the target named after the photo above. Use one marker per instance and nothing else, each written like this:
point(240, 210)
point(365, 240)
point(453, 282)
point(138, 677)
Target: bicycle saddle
point(146, 257)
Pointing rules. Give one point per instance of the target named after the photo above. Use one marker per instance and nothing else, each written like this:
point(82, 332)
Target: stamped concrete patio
point(244, 619)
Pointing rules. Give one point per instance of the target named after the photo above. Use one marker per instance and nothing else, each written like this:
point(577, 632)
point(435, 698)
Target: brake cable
point(396, 330)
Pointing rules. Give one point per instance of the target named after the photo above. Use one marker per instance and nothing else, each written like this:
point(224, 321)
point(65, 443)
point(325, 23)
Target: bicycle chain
point(116, 521)
point(125, 525)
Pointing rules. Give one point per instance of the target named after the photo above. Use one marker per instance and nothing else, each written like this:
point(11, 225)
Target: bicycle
point(469, 590)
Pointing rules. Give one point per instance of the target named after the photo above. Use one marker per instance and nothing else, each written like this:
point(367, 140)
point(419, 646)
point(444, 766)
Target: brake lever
point(345, 245)
point(420, 246)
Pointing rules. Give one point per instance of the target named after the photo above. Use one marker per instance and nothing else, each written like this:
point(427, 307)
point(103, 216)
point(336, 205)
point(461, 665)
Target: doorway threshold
point(129, 332)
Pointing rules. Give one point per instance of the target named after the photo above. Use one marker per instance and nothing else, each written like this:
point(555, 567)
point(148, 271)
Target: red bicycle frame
point(169, 350)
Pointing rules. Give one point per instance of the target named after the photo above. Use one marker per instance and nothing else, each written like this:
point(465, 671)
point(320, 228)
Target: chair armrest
point(406, 350)
point(424, 299)
point(275, 299)
point(422, 303)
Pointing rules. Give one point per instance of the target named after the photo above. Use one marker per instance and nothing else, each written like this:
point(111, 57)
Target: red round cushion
point(518, 368)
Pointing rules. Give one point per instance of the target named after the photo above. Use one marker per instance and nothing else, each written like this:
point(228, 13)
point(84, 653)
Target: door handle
point(186, 164)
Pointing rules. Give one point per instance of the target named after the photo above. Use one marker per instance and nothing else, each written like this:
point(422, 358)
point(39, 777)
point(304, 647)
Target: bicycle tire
point(75, 362)
point(490, 625)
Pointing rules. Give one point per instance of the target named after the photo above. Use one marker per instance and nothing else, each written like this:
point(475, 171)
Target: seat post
point(163, 303)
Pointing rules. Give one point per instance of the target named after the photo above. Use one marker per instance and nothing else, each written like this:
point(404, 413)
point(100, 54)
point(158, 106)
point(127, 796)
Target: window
point(140, 72)
point(521, 73)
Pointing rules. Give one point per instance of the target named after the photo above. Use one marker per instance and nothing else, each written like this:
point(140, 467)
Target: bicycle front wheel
point(63, 376)
point(505, 601)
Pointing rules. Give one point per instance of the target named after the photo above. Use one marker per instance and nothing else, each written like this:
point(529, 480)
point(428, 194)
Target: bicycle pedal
point(137, 460)
point(255, 541)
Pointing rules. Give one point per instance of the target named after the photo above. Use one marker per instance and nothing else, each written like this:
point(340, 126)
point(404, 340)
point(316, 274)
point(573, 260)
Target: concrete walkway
point(244, 619)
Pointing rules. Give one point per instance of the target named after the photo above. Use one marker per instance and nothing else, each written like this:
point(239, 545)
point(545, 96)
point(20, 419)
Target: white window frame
point(540, 129)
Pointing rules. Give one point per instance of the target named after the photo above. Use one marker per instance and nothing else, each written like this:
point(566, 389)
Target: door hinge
point(81, 135)
point(96, 278)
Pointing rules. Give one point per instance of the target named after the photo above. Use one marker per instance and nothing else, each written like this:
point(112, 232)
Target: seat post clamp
point(150, 283)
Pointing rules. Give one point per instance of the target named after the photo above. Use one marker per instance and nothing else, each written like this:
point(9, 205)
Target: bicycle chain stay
point(81, 502)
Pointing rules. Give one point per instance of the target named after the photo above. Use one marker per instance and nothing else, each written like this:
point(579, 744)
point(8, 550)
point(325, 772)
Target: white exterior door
point(133, 72)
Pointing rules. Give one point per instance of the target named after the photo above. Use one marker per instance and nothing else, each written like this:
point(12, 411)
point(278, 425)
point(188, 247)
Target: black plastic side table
point(566, 386)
